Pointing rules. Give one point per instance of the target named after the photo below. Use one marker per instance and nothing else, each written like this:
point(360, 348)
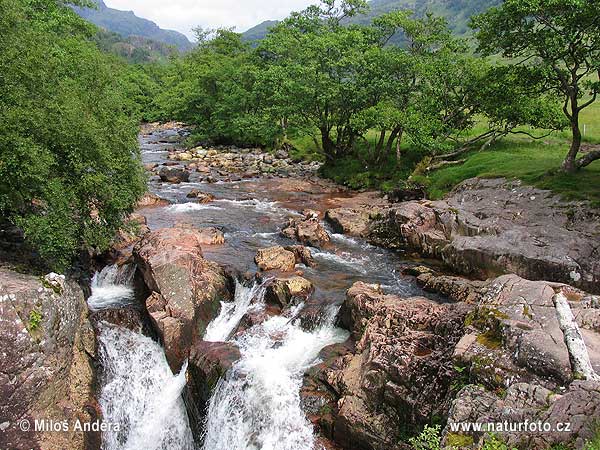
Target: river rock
point(309, 231)
point(209, 361)
point(150, 200)
point(489, 227)
point(275, 258)
point(281, 291)
point(47, 368)
point(202, 197)
point(303, 255)
point(353, 221)
point(187, 287)
point(174, 175)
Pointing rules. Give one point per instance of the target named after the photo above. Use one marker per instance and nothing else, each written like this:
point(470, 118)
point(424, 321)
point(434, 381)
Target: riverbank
point(300, 314)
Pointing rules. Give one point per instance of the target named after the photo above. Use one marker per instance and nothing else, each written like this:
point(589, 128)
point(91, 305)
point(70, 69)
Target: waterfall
point(257, 405)
point(112, 287)
point(141, 394)
point(246, 298)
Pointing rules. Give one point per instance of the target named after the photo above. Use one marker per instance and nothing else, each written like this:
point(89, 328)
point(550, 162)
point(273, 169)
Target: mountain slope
point(127, 24)
point(457, 12)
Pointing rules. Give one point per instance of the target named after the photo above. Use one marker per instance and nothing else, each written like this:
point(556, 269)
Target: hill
point(457, 12)
point(127, 24)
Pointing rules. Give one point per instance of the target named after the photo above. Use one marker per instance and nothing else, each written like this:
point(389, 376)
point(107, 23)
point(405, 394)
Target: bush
point(69, 158)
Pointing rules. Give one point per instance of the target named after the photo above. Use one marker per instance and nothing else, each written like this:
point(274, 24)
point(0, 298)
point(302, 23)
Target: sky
point(184, 15)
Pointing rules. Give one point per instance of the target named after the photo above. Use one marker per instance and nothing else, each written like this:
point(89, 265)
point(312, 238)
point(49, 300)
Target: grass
point(534, 162)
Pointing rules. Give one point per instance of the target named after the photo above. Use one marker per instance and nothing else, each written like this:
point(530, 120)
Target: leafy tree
point(214, 91)
point(309, 64)
point(561, 38)
point(69, 160)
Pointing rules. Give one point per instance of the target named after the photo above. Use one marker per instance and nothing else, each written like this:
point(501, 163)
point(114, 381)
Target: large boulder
point(150, 200)
point(275, 258)
point(47, 369)
point(186, 289)
point(490, 227)
point(400, 376)
point(352, 221)
point(308, 231)
point(174, 174)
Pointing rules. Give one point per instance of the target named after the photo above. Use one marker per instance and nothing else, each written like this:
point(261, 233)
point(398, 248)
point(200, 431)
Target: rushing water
point(112, 287)
point(257, 405)
point(140, 395)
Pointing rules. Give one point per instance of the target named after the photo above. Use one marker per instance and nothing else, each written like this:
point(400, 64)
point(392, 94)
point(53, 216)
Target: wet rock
point(275, 258)
point(309, 231)
point(47, 368)
point(281, 291)
point(406, 194)
point(150, 200)
point(303, 255)
point(174, 175)
point(202, 197)
point(132, 318)
point(208, 363)
point(191, 287)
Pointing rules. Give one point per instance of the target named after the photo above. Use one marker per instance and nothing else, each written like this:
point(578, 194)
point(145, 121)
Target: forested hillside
point(127, 24)
point(457, 12)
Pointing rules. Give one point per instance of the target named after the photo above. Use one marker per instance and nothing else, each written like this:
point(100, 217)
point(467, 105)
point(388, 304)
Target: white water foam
point(257, 405)
point(112, 287)
point(231, 313)
point(344, 259)
point(190, 206)
point(141, 395)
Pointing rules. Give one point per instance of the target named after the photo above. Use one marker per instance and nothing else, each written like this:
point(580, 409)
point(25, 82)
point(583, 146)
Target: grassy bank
point(535, 162)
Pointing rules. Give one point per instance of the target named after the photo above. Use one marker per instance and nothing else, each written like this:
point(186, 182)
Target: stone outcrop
point(186, 289)
point(47, 369)
point(486, 228)
point(499, 351)
point(275, 258)
point(308, 231)
point(401, 373)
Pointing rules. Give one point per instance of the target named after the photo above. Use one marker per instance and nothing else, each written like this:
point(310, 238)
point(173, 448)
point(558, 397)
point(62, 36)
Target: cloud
point(185, 15)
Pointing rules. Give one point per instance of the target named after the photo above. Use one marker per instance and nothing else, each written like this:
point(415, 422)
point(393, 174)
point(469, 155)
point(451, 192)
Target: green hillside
point(127, 24)
point(457, 12)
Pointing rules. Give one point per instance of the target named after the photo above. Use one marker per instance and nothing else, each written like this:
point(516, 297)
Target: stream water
point(257, 404)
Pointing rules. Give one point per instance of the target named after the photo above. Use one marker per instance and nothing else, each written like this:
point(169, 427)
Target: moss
point(35, 320)
point(490, 339)
point(459, 440)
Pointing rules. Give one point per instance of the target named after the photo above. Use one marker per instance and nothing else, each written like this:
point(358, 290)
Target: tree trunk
point(570, 163)
point(398, 144)
point(329, 147)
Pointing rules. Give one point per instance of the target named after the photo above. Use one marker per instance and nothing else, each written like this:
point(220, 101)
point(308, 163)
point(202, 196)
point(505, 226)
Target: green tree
point(560, 37)
point(308, 76)
point(69, 161)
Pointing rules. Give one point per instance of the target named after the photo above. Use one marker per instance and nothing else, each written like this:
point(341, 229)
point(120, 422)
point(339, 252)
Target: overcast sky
point(184, 15)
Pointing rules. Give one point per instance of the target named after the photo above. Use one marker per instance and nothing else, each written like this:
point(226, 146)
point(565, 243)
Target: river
point(257, 404)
